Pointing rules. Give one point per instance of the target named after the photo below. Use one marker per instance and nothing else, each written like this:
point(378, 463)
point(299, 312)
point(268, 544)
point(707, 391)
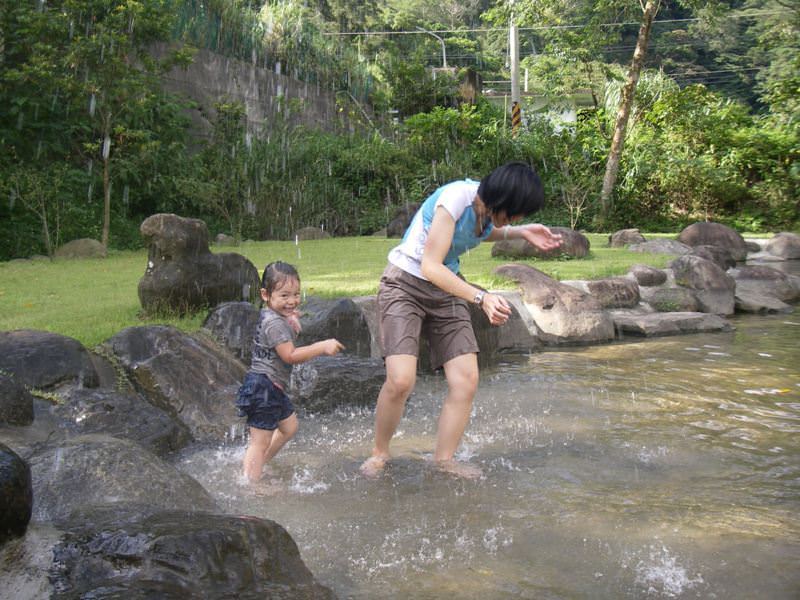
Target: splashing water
point(620, 471)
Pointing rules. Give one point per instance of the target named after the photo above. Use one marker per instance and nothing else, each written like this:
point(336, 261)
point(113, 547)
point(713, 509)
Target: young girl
point(262, 397)
point(422, 290)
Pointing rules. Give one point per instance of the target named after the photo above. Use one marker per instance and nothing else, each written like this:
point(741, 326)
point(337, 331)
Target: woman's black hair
point(276, 273)
point(514, 187)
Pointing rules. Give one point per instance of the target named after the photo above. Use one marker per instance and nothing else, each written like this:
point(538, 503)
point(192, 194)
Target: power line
point(752, 15)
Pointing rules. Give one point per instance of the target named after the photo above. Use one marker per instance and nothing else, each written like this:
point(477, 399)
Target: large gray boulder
point(16, 494)
point(100, 469)
point(647, 276)
point(715, 234)
point(190, 376)
point(563, 314)
point(573, 244)
point(233, 324)
point(610, 292)
point(40, 359)
point(672, 323)
point(625, 237)
point(661, 246)
point(341, 319)
point(106, 553)
point(401, 220)
point(310, 233)
point(762, 289)
point(719, 255)
point(123, 414)
point(712, 286)
point(785, 245)
point(182, 274)
point(16, 403)
point(666, 299)
point(330, 382)
point(81, 248)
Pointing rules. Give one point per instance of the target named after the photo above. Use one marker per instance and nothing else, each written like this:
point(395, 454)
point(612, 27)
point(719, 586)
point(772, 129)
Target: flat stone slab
point(672, 323)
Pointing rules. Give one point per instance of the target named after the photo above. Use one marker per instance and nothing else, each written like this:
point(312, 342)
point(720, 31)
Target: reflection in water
point(652, 468)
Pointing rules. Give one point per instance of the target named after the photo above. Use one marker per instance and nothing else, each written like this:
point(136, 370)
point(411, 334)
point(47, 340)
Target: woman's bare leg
point(401, 375)
point(462, 383)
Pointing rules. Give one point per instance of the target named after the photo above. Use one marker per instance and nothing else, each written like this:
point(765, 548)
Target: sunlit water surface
point(666, 467)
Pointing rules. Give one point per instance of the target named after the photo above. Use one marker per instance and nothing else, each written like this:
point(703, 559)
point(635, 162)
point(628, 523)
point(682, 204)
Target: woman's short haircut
point(514, 188)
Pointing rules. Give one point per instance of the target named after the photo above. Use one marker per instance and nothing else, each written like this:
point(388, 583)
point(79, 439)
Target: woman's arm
point(534, 233)
point(440, 238)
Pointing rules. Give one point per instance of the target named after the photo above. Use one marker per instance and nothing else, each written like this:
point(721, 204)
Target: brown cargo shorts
point(409, 306)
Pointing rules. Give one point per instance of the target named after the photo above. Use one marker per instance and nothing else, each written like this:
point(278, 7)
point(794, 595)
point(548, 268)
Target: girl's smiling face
point(285, 298)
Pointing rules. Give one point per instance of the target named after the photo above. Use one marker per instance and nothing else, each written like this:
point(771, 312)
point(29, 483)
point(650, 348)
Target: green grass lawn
point(91, 300)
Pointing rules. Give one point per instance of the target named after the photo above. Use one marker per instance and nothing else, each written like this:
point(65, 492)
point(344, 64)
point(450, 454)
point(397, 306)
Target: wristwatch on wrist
point(479, 297)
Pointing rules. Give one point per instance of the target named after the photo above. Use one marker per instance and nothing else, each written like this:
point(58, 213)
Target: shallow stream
point(664, 468)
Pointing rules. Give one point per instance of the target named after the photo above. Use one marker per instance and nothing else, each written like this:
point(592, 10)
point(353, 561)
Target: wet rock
point(182, 274)
point(341, 319)
point(720, 256)
point(715, 234)
point(712, 287)
point(233, 324)
point(16, 403)
point(329, 382)
point(401, 220)
point(311, 233)
point(785, 245)
point(189, 376)
point(122, 414)
point(625, 237)
point(519, 334)
point(670, 299)
point(100, 469)
point(16, 494)
point(174, 554)
point(41, 359)
point(562, 313)
point(762, 289)
point(647, 276)
point(672, 323)
point(611, 292)
point(81, 248)
point(661, 246)
point(573, 244)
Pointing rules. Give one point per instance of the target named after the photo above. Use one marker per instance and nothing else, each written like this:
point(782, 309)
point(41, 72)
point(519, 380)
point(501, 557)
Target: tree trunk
point(624, 111)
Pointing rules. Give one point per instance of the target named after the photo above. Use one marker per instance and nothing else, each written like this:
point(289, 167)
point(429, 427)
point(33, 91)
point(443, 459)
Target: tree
point(624, 111)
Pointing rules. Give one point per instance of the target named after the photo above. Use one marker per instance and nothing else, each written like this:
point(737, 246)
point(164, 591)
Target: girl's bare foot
point(373, 466)
point(459, 469)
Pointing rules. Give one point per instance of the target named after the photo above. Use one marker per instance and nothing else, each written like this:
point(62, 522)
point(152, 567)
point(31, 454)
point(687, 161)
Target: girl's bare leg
point(286, 430)
point(254, 461)
point(401, 375)
point(462, 383)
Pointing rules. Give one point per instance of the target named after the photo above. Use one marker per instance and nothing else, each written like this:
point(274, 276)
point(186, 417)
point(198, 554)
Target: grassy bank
point(91, 300)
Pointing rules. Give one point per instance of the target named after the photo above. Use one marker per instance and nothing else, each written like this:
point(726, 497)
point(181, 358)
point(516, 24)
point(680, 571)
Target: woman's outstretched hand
point(541, 237)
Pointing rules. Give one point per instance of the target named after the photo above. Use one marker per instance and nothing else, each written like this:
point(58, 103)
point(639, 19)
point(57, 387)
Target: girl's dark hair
point(514, 187)
point(276, 273)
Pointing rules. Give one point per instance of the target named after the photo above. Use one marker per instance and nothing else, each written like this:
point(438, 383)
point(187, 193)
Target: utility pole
point(513, 46)
point(441, 41)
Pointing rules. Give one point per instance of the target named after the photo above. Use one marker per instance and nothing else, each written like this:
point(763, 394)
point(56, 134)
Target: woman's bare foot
point(459, 469)
point(373, 466)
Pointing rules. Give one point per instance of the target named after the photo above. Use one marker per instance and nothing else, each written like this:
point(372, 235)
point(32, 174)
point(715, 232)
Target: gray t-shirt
point(272, 330)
